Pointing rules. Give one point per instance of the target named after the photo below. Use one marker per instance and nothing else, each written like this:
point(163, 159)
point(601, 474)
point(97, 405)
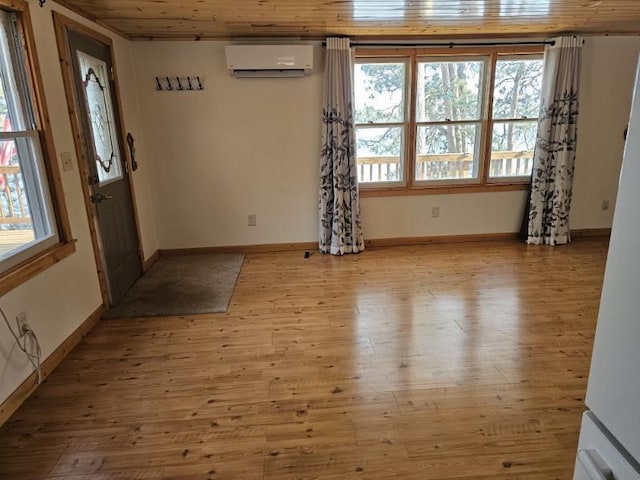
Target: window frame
point(483, 183)
point(404, 125)
point(512, 179)
point(482, 96)
point(44, 254)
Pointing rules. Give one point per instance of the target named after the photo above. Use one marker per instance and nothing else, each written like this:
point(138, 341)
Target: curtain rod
point(445, 44)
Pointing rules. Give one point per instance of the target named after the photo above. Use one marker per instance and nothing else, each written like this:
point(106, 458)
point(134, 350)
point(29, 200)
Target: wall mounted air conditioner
point(255, 61)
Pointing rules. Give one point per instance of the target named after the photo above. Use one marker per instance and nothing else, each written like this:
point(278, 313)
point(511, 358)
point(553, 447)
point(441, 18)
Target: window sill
point(441, 189)
point(37, 264)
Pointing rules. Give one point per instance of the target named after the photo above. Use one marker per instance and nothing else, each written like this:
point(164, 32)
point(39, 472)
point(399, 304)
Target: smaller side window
point(516, 106)
point(34, 227)
point(381, 120)
point(28, 223)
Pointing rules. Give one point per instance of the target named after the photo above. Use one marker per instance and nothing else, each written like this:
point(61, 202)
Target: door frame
point(62, 24)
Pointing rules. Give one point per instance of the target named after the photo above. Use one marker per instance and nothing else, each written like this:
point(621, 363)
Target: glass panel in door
point(95, 80)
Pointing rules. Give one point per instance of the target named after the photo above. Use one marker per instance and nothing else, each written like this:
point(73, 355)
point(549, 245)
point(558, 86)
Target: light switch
point(67, 161)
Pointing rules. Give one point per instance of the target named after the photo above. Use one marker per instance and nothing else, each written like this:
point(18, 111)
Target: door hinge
point(112, 74)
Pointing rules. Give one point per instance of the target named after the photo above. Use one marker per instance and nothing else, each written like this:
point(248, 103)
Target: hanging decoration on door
point(98, 107)
point(132, 151)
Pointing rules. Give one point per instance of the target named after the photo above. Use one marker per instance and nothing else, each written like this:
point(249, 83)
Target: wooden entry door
point(107, 167)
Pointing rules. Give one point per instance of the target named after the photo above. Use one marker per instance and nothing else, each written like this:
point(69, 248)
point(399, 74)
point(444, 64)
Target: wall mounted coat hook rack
point(179, 83)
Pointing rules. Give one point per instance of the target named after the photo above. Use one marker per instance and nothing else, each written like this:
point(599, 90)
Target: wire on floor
point(33, 350)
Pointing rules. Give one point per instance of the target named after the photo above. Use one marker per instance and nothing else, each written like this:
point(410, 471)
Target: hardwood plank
point(191, 19)
point(451, 361)
point(9, 406)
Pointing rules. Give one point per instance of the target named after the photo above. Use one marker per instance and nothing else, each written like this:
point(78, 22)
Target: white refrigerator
point(609, 446)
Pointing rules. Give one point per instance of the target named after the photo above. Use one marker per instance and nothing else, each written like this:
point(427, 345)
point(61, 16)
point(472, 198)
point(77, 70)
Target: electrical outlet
point(604, 206)
point(21, 321)
point(251, 219)
point(435, 212)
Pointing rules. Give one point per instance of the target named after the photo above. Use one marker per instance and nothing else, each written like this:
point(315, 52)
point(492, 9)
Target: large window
point(426, 120)
point(449, 112)
point(32, 222)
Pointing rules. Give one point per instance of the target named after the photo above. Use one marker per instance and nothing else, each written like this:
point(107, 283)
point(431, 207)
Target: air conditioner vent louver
point(269, 61)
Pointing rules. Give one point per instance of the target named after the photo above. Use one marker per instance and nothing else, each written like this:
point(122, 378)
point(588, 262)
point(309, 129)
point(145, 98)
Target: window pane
point(512, 149)
point(449, 91)
point(379, 154)
point(447, 152)
point(379, 92)
point(517, 88)
point(27, 221)
point(13, 116)
point(20, 194)
point(6, 125)
point(103, 126)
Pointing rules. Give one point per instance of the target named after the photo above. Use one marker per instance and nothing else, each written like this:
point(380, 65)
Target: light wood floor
point(464, 361)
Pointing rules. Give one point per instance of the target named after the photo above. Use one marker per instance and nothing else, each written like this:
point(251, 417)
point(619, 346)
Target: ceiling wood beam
point(314, 19)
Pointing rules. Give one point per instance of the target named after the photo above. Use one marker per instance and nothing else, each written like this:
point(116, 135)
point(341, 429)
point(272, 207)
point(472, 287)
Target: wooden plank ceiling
point(148, 19)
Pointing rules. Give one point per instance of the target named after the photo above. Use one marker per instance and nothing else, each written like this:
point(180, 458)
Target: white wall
point(608, 77)
point(61, 298)
point(238, 147)
point(460, 214)
point(251, 146)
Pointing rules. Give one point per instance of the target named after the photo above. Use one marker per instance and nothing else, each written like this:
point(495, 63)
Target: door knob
point(100, 197)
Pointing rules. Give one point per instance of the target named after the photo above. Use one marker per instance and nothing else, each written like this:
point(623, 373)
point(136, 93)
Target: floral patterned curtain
point(340, 226)
point(555, 151)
